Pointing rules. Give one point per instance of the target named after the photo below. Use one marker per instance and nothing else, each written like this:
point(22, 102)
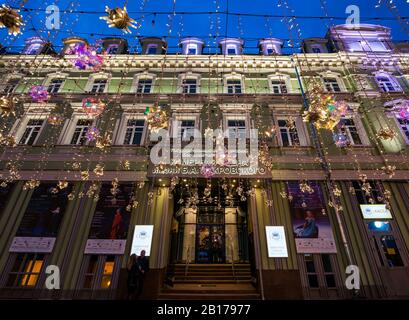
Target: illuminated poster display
point(276, 243)
point(311, 226)
point(375, 211)
point(142, 239)
point(42, 219)
point(109, 226)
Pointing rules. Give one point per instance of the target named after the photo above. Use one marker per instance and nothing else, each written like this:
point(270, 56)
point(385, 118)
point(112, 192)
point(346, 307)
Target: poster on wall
point(276, 242)
point(311, 226)
point(375, 211)
point(142, 239)
point(41, 220)
point(110, 223)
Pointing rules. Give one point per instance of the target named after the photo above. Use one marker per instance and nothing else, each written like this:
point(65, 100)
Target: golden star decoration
point(11, 19)
point(119, 18)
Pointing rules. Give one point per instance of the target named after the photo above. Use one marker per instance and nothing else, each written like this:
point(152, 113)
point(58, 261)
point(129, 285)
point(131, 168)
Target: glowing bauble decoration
point(11, 19)
point(86, 57)
point(7, 105)
point(207, 170)
point(93, 107)
point(119, 18)
point(324, 112)
point(39, 94)
point(92, 134)
point(156, 118)
point(341, 140)
point(404, 110)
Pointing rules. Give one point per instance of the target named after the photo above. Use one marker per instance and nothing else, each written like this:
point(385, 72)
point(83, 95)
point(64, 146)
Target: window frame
point(144, 76)
point(382, 85)
point(121, 131)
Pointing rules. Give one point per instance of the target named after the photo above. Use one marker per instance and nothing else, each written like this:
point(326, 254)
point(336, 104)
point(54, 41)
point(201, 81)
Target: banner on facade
point(276, 242)
point(375, 211)
point(142, 239)
point(110, 223)
point(41, 220)
point(311, 226)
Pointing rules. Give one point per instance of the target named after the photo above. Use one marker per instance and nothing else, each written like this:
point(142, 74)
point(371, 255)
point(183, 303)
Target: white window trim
point(245, 117)
point(280, 77)
point(143, 75)
point(395, 117)
point(302, 132)
point(231, 46)
point(7, 78)
point(98, 76)
point(187, 116)
point(69, 128)
point(234, 76)
point(392, 79)
point(192, 46)
point(57, 75)
point(188, 76)
point(337, 76)
point(120, 136)
point(360, 129)
point(20, 125)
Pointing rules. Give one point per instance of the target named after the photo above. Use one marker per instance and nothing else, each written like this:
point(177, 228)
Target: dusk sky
point(84, 20)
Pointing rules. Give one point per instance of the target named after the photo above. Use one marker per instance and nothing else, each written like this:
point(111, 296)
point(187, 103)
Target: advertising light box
point(375, 211)
point(142, 239)
point(276, 244)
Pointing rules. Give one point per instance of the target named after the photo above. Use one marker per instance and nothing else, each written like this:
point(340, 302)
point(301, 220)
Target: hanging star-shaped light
point(11, 19)
point(119, 18)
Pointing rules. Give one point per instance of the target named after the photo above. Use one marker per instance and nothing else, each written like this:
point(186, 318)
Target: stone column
point(231, 235)
point(189, 235)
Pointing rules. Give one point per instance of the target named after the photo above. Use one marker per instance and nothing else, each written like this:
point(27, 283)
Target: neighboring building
point(82, 218)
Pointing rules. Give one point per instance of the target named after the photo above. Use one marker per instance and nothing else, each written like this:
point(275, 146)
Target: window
point(187, 128)
point(189, 86)
point(112, 49)
point(99, 85)
point(231, 51)
point(288, 134)
point(404, 126)
point(270, 50)
point(234, 86)
point(10, 86)
point(151, 49)
point(312, 276)
point(236, 129)
point(349, 129)
point(55, 85)
point(331, 85)
point(34, 48)
point(31, 132)
point(25, 271)
point(107, 271)
point(98, 272)
point(386, 84)
point(278, 87)
point(316, 49)
point(368, 194)
point(81, 129)
point(328, 271)
point(319, 271)
point(134, 131)
point(144, 86)
point(391, 251)
point(192, 49)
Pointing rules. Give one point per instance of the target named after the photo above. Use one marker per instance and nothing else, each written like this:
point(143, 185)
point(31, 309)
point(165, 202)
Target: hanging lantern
point(119, 18)
point(386, 134)
point(93, 107)
point(11, 19)
point(86, 57)
point(341, 140)
point(39, 94)
point(92, 134)
point(7, 105)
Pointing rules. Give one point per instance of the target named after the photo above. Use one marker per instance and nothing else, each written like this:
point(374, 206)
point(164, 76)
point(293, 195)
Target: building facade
point(76, 183)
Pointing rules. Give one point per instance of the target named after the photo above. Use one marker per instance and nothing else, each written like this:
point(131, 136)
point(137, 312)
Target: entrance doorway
point(210, 236)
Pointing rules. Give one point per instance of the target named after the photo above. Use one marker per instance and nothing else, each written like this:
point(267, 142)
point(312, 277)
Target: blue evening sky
point(89, 26)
